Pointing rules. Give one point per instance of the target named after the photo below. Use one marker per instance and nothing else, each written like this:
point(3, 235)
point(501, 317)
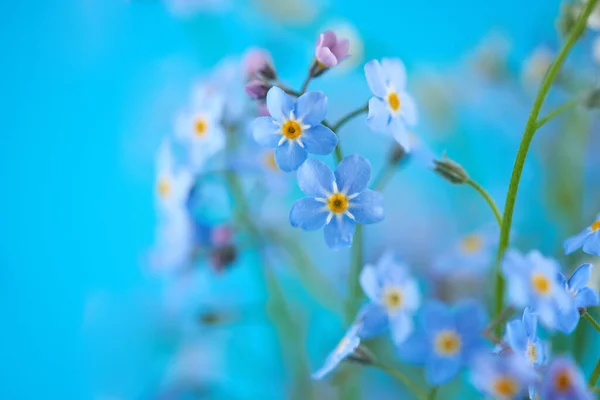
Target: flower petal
point(326, 57)
point(279, 103)
point(401, 326)
point(575, 242)
point(319, 140)
point(289, 156)
point(266, 132)
point(530, 321)
point(353, 174)
point(580, 277)
point(369, 281)
point(308, 214)
point(408, 109)
point(440, 370)
point(587, 297)
point(567, 321)
point(315, 178)
point(399, 131)
point(339, 232)
point(470, 317)
point(394, 72)
point(415, 349)
point(311, 108)
point(436, 316)
point(373, 321)
point(516, 335)
point(367, 207)
point(378, 118)
point(592, 244)
point(376, 78)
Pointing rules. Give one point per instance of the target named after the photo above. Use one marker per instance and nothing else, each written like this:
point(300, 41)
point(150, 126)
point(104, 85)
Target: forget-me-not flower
point(502, 377)
point(521, 336)
point(564, 381)
point(392, 110)
point(294, 128)
point(589, 239)
point(172, 185)
point(389, 285)
point(446, 339)
point(472, 254)
point(337, 201)
point(533, 282)
point(583, 296)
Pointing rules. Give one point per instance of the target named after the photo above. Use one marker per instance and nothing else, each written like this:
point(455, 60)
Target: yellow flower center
point(291, 129)
point(471, 243)
point(200, 127)
point(393, 298)
point(541, 284)
point(337, 203)
point(562, 381)
point(596, 225)
point(531, 352)
point(269, 161)
point(394, 101)
point(163, 187)
point(506, 386)
point(447, 343)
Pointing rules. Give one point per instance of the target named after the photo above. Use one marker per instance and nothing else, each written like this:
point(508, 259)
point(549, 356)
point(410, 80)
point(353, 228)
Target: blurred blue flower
point(392, 110)
point(564, 381)
point(533, 282)
point(583, 296)
point(294, 128)
point(502, 377)
point(521, 336)
point(172, 185)
point(473, 254)
point(446, 339)
point(395, 291)
point(174, 242)
point(337, 201)
point(589, 239)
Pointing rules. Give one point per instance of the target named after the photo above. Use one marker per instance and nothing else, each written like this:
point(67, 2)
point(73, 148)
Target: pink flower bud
point(330, 51)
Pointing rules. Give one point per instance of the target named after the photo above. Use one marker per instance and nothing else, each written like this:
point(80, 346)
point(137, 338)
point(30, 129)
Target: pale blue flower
point(533, 282)
point(564, 381)
point(392, 110)
point(173, 184)
point(589, 239)
point(294, 128)
point(521, 336)
point(502, 377)
point(390, 286)
point(582, 295)
point(336, 201)
point(446, 339)
point(472, 254)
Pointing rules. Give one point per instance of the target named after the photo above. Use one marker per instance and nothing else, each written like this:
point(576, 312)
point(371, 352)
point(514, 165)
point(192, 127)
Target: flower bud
point(223, 256)
point(362, 355)
point(258, 64)
point(256, 89)
point(397, 154)
point(451, 171)
point(330, 51)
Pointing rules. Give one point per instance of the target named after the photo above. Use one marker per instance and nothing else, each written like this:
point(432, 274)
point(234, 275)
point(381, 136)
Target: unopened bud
point(362, 355)
point(397, 154)
point(451, 171)
point(317, 68)
point(257, 89)
point(224, 256)
point(267, 72)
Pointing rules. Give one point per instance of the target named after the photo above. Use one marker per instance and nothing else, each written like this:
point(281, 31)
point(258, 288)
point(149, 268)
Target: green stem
point(595, 375)
point(339, 155)
point(354, 290)
point(384, 176)
point(349, 116)
point(305, 84)
point(488, 199)
point(554, 113)
point(433, 393)
point(592, 321)
point(530, 129)
point(402, 378)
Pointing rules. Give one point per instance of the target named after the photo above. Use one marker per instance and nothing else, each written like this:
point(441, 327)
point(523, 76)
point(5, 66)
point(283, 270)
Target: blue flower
point(471, 255)
point(533, 282)
point(391, 110)
point(294, 128)
point(172, 185)
point(521, 336)
point(564, 381)
point(589, 239)
point(583, 296)
point(395, 291)
point(502, 377)
point(336, 200)
point(445, 340)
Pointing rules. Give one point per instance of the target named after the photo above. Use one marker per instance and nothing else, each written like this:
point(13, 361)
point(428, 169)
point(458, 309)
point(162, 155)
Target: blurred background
point(89, 90)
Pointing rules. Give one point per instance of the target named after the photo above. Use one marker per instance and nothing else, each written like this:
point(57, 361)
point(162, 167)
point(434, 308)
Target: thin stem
point(530, 129)
point(384, 176)
point(554, 113)
point(595, 375)
point(305, 84)
point(402, 378)
point(488, 199)
point(339, 155)
point(354, 290)
point(592, 321)
point(433, 393)
point(349, 116)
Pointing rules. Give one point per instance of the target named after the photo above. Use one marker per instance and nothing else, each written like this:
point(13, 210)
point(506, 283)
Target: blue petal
point(441, 370)
point(339, 232)
point(575, 242)
point(311, 108)
point(353, 174)
point(373, 321)
point(378, 118)
point(436, 316)
point(319, 140)
point(350, 343)
point(397, 128)
point(376, 78)
point(587, 297)
point(567, 321)
point(415, 349)
point(530, 322)
point(580, 277)
point(394, 72)
point(308, 214)
point(516, 335)
point(470, 317)
point(401, 326)
point(266, 132)
point(369, 281)
point(367, 207)
point(592, 244)
point(408, 109)
point(279, 104)
point(315, 178)
point(289, 156)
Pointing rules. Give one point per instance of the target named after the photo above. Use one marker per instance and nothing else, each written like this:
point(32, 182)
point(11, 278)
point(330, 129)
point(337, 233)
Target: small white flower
point(172, 185)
